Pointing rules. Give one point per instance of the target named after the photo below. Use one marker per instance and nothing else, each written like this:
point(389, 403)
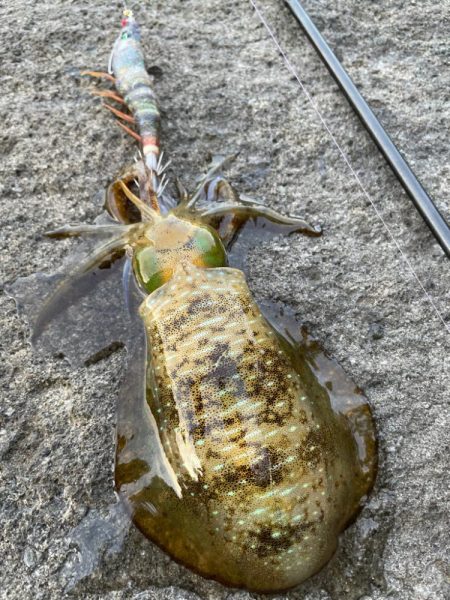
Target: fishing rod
point(421, 200)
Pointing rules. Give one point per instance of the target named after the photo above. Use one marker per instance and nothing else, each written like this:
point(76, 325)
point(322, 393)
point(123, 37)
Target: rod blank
point(421, 200)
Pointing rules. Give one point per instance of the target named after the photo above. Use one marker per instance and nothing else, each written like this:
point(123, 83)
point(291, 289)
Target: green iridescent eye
point(148, 269)
point(211, 250)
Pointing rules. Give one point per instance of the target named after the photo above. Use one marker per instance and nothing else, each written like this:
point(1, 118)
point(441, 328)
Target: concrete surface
point(224, 88)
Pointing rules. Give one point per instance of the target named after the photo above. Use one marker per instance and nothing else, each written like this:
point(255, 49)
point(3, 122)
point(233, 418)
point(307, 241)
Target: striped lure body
point(134, 84)
point(240, 451)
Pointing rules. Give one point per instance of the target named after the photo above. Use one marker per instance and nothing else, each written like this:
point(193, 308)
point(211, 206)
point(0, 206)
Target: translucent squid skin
point(236, 464)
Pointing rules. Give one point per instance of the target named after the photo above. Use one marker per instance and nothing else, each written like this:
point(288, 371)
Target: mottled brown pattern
point(253, 475)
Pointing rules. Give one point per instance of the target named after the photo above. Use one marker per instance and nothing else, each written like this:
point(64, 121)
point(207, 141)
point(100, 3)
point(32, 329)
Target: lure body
point(231, 455)
point(135, 85)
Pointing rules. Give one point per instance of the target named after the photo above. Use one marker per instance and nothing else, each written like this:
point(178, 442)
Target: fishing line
point(316, 109)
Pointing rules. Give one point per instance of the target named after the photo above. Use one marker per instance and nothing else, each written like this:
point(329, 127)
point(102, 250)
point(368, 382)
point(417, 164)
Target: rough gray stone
point(224, 88)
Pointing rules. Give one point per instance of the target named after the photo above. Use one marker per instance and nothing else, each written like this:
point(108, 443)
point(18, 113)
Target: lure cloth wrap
point(134, 83)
